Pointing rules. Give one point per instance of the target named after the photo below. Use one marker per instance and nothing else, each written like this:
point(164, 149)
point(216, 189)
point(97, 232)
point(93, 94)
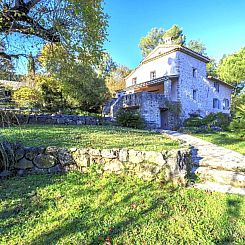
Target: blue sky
point(219, 24)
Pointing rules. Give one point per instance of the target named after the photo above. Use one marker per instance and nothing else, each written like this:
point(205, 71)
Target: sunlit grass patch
point(89, 136)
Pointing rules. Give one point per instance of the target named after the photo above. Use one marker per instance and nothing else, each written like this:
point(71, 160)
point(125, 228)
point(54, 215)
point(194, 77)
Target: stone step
point(228, 165)
point(236, 179)
point(211, 186)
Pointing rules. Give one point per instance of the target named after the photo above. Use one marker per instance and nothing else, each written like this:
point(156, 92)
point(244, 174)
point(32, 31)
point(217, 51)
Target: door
point(164, 118)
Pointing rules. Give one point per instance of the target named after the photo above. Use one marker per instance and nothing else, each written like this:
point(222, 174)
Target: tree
point(212, 68)
point(27, 97)
point(79, 25)
point(79, 83)
point(115, 81)
point(176, 35)
point(106, 66)
point(231, 68)
point(31, 68)
point(157, 36)
point(197, 46)
point(51, 92)
point(151, 40)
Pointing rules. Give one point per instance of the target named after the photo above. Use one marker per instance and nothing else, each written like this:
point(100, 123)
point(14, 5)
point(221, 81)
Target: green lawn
point(88, 136)
point(86, 209)
point(230, 140)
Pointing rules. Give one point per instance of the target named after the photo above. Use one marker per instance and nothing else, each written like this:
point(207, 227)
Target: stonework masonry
point(148, 165)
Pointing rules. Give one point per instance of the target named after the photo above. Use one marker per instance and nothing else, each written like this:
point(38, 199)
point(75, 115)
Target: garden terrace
point(100, 137)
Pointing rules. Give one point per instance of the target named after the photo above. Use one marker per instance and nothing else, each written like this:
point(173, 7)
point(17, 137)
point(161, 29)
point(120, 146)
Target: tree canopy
point(197, 46)
point(151, 40)
point(79, 25)
point(231, 68)
point(157, 36)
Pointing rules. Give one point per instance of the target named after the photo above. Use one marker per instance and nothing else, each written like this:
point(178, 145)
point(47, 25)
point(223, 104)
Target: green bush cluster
point(131, 119)
point(213, 119)
point(193, 122)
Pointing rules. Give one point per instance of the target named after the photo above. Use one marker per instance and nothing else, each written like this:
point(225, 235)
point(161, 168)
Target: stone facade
point(148, 165)
point(180, 75)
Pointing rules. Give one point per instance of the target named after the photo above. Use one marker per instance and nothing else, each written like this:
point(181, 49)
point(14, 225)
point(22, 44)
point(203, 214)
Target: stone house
point(7, 87)
point(169, 86)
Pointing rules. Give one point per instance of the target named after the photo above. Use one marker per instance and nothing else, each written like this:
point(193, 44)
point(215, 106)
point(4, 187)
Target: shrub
point(193, 122)
point(27, 97)
point(217, 119)
point(238, 122)
point(130, 119)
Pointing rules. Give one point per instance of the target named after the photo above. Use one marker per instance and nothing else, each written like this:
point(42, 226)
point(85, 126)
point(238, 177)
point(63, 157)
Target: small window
point(194, 72)
point(194, 94)
point(216, 103)
point(226, 104)
point(134, 80)
point(152, 75)
point(216, 85)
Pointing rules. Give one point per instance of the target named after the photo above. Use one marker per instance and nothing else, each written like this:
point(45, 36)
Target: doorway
point(164, 118)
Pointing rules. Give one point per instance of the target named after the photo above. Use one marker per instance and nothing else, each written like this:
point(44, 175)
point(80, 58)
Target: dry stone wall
point(60, 119)
point(148, 165)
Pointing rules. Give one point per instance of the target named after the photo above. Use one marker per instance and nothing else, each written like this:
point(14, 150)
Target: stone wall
point(205, 90)
point(148, 165)
point(61, 119)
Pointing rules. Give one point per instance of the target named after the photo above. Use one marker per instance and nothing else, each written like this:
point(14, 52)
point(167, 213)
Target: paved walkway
point(223, 167)
point(208, 154)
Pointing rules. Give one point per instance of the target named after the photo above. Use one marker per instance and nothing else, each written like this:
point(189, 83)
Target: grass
point(86, 209)
point(231, 140)
point(88, 136)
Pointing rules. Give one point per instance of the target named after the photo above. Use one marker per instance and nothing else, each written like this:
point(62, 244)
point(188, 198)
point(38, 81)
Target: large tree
point(157, 36)
point(197, 46)
point(79, 25)
point(176, 35)
point(116, 79)
point(232, 68)
point(151, 40)
point(77, 84)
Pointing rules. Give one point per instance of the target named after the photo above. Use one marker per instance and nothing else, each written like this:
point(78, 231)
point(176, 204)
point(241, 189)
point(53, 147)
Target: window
point(152, 75)
point(226, 104)
point(216, 85)
point(134, 80)
point(194, 72)
point(194, 94)
point(216, 103)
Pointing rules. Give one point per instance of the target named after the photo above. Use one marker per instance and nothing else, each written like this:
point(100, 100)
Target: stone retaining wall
point(60, 119)
point(148, 165)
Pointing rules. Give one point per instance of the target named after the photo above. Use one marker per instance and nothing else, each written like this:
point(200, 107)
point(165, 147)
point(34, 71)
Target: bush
point(27, 97)
point(193, 122)
point(130, 119)
point(217, 119)
point(238, 122)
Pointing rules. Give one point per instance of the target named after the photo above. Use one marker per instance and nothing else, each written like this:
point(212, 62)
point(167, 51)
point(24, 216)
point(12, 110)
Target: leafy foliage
point(79, 84)
point(129, 118)
point(157, 35)
point(27, 97)
point(197, 46)
point(211, 68)
point(151, 40)
point(115, 80)
point(193, 122)
point(213, 119)
point(80, 26)
point(232, 68)
point(176, 34)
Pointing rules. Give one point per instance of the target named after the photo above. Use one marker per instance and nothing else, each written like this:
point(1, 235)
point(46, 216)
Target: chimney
point(168, 40)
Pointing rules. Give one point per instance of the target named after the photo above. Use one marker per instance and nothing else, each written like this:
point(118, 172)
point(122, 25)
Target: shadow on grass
point(233, 214)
